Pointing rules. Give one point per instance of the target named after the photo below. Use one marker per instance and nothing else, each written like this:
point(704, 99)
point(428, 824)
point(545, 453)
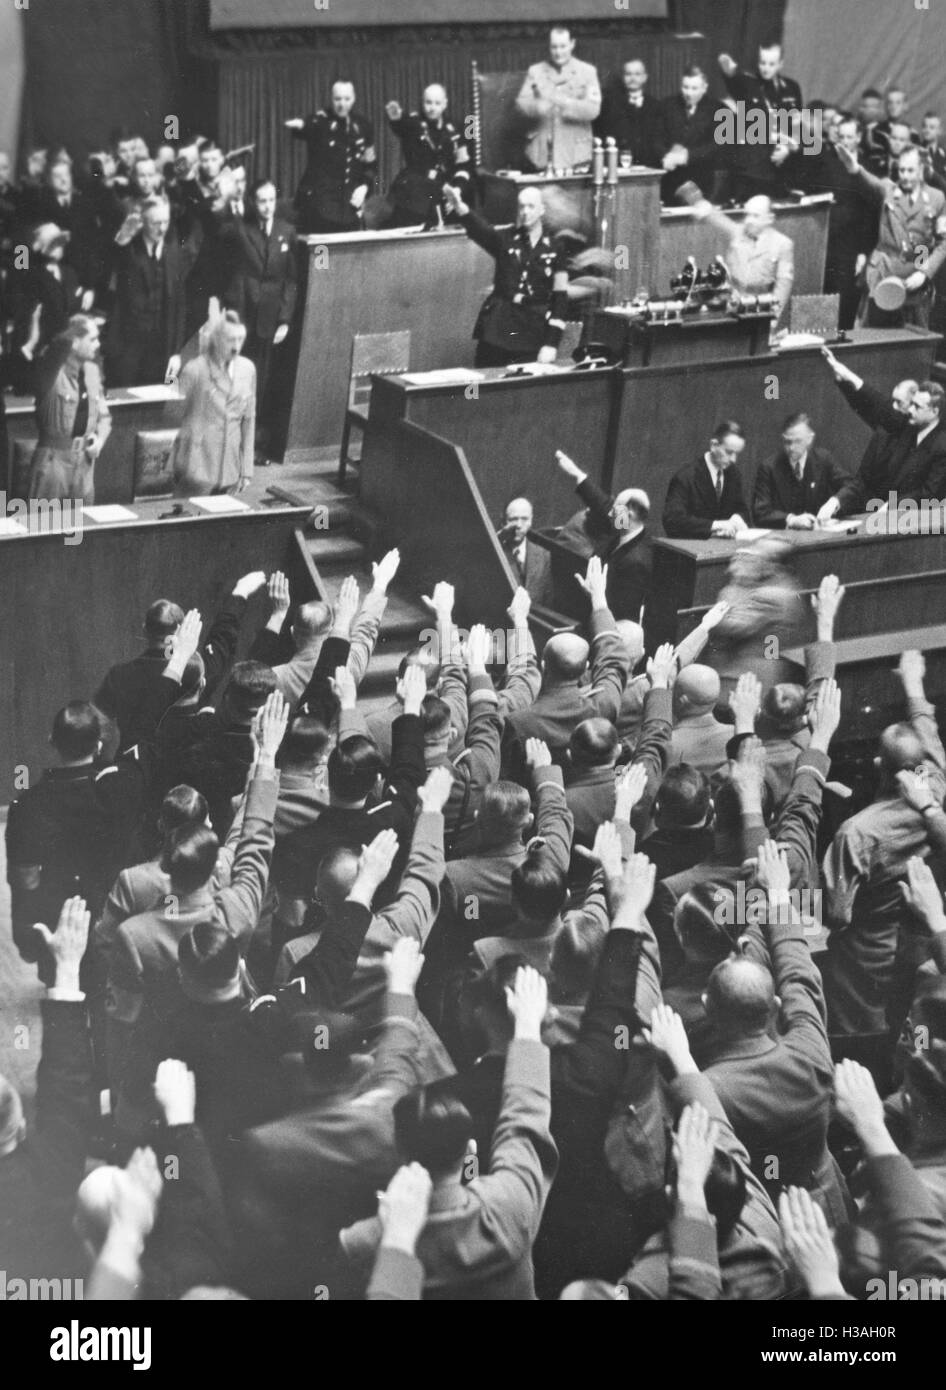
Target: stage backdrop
point(836, 50)
point(298, 14)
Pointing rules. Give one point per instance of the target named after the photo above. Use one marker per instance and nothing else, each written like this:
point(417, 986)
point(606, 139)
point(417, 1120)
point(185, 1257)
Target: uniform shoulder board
point(262, 999)
point(105, 771)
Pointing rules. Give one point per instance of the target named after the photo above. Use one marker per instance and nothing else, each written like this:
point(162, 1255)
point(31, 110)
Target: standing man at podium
point(631, 118)
point(561, 98)
point(523, 318)
point(341, 166)
point(434, 154)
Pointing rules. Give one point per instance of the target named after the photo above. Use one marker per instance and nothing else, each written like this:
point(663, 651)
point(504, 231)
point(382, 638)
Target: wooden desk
point(893, 601)
point(666, 414)
point(71, 611)
point(115, 466)
point(509, 428)
point(432, 283)
point(806, 222)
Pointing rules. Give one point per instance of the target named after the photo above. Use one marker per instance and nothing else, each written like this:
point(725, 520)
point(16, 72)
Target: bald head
point(900, 750)
point(313, 621)
point(632, 635)
point(758, 216)
point(434, 101)
point(565, 657)
point(335, 878)
point(695, 691)
point(740, 998)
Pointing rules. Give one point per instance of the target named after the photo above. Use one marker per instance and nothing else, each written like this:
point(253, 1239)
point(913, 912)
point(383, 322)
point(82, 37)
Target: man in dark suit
point(756, 167)
point(146, 332)
point(630, 117)
point(931, 146)
point(895, 106)
point(263, 292)
point(852, 217)
point(690, 151)
point(871, 147)
point(341, 165)
point(909, 461)
point(61, 202)
point(706, 499)
point(623, 546)
point(793, 484)
point(531, 563)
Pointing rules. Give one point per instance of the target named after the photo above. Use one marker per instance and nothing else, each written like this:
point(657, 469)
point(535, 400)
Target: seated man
point(623, 545)
point(792, 486)
point(705, 499)
point(760, 259)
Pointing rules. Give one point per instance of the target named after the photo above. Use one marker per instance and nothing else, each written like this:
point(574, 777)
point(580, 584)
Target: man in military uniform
point(523, 318)
point(912, 240)
point(560, 98)
point(434, 154)
point(760, 259)
point(757, 168)
point(341, 166)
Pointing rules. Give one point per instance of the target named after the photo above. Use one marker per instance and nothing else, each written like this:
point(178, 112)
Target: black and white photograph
point(473, 664)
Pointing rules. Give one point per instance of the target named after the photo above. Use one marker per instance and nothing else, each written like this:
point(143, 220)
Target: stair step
point(327, 549)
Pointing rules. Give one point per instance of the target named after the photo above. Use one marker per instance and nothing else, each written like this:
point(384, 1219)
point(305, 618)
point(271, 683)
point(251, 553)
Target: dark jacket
point(524, 311)
point(341, 158)
point(639, 129)
point(778, 493)
point(696, 134)
point(692, 505)
point(138, 313)
point(898, 463)
point(264, 284)
point(630, 565)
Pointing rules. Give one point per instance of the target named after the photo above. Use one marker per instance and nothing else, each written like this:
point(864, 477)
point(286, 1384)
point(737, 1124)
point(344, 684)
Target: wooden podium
point(623, 216)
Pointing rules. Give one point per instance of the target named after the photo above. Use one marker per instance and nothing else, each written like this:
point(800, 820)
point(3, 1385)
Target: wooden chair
point(154, 475)
point(383, 353)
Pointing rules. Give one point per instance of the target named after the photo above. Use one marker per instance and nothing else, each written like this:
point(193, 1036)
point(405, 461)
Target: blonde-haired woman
point(213, 451)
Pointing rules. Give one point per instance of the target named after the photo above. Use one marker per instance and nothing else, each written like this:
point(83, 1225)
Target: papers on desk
point(539, 368)
point(222, 502)
point(157, 392)
point(443, 376)
point(834, 526)
point(799, 340)
point(753, 533)
point(109, 512)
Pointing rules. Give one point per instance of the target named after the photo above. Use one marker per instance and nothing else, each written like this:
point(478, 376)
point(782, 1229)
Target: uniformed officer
point(434, 154)
point(760, 259)
point(561, 98)
point(523, 318)
point(341, 165)
point(757, 168)
point(911, 244)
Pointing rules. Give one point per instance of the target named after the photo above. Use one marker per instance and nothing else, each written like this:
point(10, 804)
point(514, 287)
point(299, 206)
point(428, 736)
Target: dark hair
point(539, 887)
point(249, 687)
point(593, 742)
point(435, 714)
point(432, 1127)
point(683, 798)
point(800, 417)
point(182, 806)
point(162, 620)
point(210, 954)
point(871, 93)
point(354, 766)
point(306, 741)
point(693, 70)
point(700, 926)
point(77, 731)
point(725, 1193)
point(785, 704)
point(726, 427)
point(263, 183)
point(729, 807)
point(575, 954)
point(190, 857)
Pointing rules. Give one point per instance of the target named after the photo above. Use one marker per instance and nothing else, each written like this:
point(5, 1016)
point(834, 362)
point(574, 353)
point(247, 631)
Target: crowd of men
point(561, 977)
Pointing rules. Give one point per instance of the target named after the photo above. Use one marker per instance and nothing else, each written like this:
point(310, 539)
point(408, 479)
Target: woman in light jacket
point(214, 450)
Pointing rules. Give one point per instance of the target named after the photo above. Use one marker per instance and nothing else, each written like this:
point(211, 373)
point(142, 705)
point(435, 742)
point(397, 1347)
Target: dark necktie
point(81, 422)
point(719, 485)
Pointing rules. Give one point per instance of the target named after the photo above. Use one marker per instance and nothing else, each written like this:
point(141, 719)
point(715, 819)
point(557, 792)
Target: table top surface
point(873, 529)
point(118, 398)
point(71, 522)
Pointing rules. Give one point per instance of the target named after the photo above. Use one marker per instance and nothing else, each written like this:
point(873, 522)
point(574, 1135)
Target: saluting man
point(523, 318)
point(434, 154)
point(341, 167)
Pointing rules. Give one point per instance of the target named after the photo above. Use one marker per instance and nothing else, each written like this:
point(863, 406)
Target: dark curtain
point(95, 65)
point(736, 27)
point(259, 92)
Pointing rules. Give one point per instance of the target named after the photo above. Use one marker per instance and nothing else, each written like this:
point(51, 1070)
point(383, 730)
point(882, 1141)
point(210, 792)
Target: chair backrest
point(382, 354)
